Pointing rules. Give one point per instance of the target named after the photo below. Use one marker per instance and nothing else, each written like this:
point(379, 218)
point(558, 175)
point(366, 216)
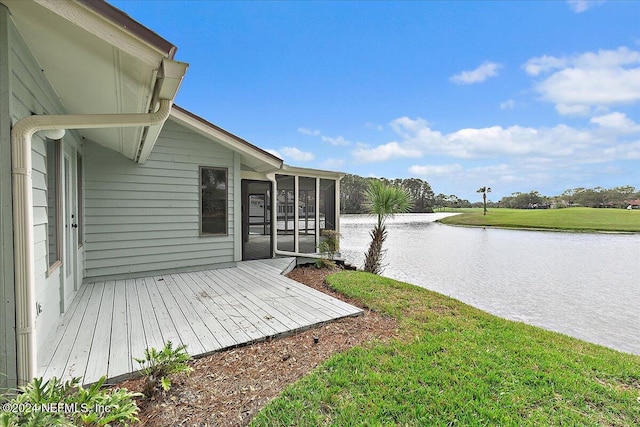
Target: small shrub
point(328, 247)
point(54, 403)
point(158, 365)
point(324, 263)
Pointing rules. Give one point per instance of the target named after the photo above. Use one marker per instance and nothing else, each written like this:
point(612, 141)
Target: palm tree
point(484, 191)
point(384, 201)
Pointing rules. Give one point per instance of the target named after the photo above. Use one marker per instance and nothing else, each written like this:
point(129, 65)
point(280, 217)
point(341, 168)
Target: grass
point(571, 219)
point(457, 365)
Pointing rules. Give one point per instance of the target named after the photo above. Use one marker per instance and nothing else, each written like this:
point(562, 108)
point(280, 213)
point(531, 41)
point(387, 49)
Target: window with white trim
point(214, 201)
point(54, 225)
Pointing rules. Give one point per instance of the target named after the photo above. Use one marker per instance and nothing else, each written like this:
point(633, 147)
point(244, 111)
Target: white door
point(69, 284)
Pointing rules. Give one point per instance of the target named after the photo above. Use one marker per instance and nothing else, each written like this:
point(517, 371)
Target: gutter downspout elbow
point(21, 145)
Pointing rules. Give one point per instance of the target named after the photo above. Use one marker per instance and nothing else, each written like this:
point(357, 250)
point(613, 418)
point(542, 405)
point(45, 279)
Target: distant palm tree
point(384, 201)
point(484, 191)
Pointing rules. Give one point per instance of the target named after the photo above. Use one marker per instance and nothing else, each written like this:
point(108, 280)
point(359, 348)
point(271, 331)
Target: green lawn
point(457, 365)
point(573, 219)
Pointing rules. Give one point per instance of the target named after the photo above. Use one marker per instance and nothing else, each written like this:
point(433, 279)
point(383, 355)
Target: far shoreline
point(551, 230)
point(566, 220)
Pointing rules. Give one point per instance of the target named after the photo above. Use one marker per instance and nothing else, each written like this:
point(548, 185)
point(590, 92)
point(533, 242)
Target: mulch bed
point(228, 388)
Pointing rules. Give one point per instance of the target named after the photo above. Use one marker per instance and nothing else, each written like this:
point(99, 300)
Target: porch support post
point(274, 213)
point(317, 212)
point(337, 214)
point(296, 216)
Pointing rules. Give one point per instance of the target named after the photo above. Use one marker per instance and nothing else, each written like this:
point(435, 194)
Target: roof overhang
point(99, 61)
point(251, 156)
point(315, 173)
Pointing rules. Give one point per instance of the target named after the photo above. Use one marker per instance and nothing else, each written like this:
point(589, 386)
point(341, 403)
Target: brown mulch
point(228, 388)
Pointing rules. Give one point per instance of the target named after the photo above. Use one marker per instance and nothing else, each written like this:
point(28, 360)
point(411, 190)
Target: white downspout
point(21, 135)
point(296, 214)
point(271, 176)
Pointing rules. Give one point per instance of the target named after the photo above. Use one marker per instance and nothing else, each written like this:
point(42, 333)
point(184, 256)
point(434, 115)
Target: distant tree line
point(353, 190)
point(598, 197)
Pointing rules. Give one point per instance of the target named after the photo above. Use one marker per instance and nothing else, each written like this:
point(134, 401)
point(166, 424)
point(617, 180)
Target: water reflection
point(582, 285)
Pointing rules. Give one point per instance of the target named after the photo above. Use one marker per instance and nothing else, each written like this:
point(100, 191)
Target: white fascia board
point(88, 19)
point(235, 144)
point(308, 172)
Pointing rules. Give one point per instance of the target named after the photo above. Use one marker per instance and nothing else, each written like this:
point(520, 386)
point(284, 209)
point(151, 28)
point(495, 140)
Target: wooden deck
point(110, 323)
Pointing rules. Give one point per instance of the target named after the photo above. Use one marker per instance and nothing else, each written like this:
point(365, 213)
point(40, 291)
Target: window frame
point(57, 163)
point(80, 196)
point(201, 200)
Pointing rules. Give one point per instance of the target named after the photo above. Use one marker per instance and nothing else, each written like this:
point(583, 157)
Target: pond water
point(583, 285)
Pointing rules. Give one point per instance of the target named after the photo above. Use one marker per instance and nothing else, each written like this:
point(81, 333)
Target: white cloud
point(629, 151)
point(435, 170)
point(332, 164)
point(617, 121)
point(274, 152)
point(514, 157)
point(337, 141)
point(480, 74)
point(306, 131)
point(573, 110)
point(296, 154)
point(579, 83)
point(509, 104)
point(384, 152)
point(579, 6)
point(546, 144)
point(375, 126)
point(543, 64)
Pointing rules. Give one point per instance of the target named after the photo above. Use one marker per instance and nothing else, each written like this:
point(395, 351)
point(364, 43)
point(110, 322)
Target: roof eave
point(268, 161)
point(129, 24)
point(319, 173)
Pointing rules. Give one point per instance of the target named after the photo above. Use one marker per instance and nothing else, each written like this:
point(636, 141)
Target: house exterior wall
point(7, 305)
point(143, 219)
point(31, 93)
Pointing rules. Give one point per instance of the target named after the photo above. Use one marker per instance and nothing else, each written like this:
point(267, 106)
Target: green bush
point(158, 365)
point(54, 403)
point(328, 248)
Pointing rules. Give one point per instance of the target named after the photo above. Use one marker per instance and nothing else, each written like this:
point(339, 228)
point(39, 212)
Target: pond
point(579, 284)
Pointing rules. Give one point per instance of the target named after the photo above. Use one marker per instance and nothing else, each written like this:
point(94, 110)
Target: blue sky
point(516, 95)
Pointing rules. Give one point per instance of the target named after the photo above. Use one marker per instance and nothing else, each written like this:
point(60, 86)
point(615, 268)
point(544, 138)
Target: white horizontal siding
point(141, 219)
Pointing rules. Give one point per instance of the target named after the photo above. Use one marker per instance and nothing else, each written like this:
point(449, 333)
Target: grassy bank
point(573, 219)
point(457, 365)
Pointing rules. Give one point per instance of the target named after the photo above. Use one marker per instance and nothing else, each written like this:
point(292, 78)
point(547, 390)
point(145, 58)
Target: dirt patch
point(228, 388)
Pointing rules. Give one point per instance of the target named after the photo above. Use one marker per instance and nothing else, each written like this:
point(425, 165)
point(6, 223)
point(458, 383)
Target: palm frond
point(384, 200)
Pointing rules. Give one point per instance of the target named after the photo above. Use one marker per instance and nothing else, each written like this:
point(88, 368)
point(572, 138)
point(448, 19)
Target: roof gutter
point(21, 141)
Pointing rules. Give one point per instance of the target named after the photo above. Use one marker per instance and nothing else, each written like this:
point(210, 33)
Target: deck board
point(258, 314)
point(274, 309)
point(182, 324)
point(136, 337)
point(192, 317)
point(119, 350)
point(80, 347)
point(215, 325)
point(99, 350)
point(110, 323)
point(53, 358)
